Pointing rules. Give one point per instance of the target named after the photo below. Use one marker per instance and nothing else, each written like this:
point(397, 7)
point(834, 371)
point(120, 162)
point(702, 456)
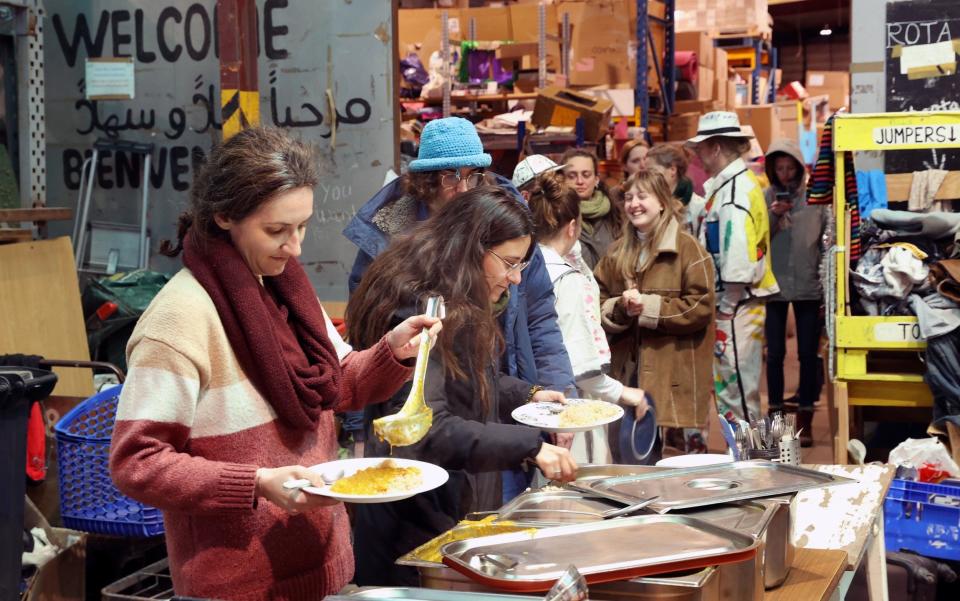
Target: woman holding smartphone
point(796, 249)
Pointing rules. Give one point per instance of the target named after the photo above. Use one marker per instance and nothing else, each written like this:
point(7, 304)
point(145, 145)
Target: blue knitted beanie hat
point(450, 143)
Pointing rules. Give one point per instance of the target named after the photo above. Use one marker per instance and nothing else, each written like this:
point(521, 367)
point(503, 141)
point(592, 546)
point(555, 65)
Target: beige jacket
point(668, 349)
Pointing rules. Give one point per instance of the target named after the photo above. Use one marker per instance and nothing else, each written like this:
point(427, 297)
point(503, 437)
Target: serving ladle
point(409, 425)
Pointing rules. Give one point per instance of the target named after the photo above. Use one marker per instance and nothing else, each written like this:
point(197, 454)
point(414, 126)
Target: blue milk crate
point(88, 499)
point(924, 518)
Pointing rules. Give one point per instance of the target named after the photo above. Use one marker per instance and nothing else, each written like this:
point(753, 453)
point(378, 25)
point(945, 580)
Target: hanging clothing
point(822, 181)
point(739, 360)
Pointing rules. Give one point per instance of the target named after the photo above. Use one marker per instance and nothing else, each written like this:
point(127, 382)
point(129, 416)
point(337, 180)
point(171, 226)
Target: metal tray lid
point(751, 517)
point(709, 485)
point(424, 594)
point(617, 549)
point(544, 508)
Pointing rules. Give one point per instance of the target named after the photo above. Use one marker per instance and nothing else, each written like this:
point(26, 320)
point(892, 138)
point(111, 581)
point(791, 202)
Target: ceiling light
point(826, 30)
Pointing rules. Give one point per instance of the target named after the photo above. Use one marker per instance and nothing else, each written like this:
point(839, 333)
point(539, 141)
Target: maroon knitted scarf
point(282, 344)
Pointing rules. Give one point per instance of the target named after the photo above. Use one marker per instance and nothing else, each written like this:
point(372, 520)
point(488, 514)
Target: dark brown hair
point(422, 185)
point(444, 255)
point(238, 176)
point(553, 203)
point(670, 154)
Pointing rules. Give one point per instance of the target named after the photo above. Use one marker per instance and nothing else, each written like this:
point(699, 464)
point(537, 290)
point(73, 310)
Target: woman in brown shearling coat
point(657, 295)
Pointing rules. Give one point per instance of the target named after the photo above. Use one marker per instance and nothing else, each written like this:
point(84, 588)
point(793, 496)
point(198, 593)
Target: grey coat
point(796, 245)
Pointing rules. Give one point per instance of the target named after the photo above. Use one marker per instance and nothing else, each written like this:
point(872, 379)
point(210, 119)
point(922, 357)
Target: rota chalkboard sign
point(914, 23)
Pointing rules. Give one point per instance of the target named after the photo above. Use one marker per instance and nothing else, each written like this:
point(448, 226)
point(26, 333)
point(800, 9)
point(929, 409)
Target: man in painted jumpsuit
point(734, 228)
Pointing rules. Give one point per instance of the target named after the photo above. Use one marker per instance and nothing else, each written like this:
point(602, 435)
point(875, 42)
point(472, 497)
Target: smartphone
point(784, 197)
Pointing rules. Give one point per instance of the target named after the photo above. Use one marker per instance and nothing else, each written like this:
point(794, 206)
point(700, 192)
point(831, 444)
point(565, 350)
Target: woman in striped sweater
point(234, 375)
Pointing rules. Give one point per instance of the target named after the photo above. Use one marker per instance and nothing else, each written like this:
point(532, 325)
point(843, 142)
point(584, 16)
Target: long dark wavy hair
point(444, 255)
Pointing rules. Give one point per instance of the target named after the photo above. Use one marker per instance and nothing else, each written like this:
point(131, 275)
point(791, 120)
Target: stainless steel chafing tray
point(424, 594)
point(708, 485)
point(768, 520)
point(602, 551)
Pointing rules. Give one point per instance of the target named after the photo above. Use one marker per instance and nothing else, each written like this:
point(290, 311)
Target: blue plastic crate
point(924, 518)
point(88, 499)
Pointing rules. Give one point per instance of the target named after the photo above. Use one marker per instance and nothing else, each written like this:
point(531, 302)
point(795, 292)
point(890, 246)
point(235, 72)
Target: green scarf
point(684, 190)
point(501, 305)
point(591, 210)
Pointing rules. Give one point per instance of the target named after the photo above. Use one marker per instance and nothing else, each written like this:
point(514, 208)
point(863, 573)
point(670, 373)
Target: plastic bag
point(572, 586)
point(928, 455)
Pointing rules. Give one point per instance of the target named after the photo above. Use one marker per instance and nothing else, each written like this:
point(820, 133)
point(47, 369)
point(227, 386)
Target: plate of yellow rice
point(577, 415)
point(378, 479)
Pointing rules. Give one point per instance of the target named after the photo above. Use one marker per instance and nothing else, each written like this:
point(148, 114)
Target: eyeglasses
point(452, 179)
point(511, 267)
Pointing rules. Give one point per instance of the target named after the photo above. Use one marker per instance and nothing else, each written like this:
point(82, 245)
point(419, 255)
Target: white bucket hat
point(531, 167)
point(718, 123)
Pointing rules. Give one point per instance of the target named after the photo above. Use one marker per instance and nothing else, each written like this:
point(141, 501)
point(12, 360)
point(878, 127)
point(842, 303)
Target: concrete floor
point(822, 449)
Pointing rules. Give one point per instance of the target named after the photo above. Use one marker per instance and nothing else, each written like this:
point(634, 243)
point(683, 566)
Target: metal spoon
point(413, 421)
point(329, 477)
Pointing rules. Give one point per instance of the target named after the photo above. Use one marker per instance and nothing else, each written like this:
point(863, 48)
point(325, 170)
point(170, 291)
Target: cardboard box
point(696, 106)
point(683, 126)
point(603, 41)
point(706, 80)
point(524, 29)
point(788, 115)
point(599, 43)
point(699, 42)
point(720, 92)
point(63, 577)
point(559, 106)
point(834, 84)
point(622, 98)
point(720, 66)
point(729, 16)
point(763, 119)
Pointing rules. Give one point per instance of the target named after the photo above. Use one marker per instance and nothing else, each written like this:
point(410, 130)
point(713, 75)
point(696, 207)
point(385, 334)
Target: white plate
point(546, 417)
point(433, 476)
point(695, 460)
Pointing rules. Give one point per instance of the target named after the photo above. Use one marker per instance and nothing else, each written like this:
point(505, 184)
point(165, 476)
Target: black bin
point(20, 387)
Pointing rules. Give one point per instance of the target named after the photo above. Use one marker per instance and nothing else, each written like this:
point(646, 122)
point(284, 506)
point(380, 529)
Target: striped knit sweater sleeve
point(185, 386)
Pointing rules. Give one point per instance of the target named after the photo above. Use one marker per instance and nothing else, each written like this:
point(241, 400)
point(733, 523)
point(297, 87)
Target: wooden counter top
point(814, 576)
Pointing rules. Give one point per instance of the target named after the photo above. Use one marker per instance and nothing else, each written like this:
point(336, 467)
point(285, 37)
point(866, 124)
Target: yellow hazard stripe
point(240, 109)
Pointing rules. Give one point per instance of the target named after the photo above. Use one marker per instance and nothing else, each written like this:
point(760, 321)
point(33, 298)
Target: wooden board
point(841, 517)
point(898, 187)
point(8, 234)
point(814, 576)
point(37, 214)
point(40, 308)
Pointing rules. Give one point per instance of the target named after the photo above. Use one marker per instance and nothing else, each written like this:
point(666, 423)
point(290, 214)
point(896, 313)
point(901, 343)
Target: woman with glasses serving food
point(472, 252)
point(451, 160)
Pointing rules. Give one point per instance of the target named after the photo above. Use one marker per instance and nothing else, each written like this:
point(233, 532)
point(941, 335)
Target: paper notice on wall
point(109, 79)
point(933, 58)
point(815, 80)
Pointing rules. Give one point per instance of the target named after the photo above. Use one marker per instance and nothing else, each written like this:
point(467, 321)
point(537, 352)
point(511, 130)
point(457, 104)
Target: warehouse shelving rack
point(663, 64)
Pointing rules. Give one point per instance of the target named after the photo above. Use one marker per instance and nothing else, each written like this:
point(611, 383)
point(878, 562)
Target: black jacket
point(472, 445)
